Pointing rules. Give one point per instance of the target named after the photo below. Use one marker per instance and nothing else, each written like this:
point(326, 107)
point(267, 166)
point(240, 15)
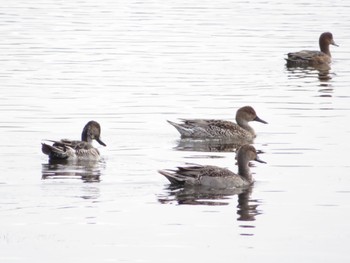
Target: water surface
point(131, 65)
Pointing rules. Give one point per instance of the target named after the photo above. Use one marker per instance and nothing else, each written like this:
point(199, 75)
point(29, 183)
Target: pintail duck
point(74, 149)
point(213, 176)
point(306, 58)
point(220, 129)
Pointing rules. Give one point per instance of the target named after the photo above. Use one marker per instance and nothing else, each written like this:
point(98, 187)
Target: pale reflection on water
point(206, 145)
point(199, 195)
point(88, 171)
point(322, 72)
point(247, 209)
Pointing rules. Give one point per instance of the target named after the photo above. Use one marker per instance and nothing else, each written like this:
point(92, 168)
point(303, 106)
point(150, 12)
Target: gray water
point(132, 65)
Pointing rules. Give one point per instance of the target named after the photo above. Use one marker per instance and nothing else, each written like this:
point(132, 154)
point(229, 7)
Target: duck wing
point(196, 174)
point(65, 149)
point(306, 58)
point(206, 128)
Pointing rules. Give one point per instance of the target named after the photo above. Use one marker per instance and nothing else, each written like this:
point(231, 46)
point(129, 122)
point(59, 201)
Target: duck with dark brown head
point(74, 149)
point(313, 58)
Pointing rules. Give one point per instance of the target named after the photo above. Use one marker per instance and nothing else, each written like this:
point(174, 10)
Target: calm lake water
point(131, 65)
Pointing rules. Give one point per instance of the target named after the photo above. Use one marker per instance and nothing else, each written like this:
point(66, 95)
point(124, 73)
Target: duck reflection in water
point(208, 145)
point(247, 208)
point(87, 171)
point(198, 195)
point(322, 72)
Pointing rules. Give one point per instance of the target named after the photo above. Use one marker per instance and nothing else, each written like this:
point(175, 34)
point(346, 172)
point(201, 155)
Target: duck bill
point(100, 142)
point(259, 160)
point(259, 120)
point(334, 44)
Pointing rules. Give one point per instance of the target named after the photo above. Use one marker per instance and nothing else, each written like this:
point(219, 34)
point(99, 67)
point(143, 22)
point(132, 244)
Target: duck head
point(246, 114)
point(92, 131)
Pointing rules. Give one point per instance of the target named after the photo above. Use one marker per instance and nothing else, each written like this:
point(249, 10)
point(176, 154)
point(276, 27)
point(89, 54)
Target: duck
point(220, 129)
point(213, 176)
point(313, 58)
point(74, 149)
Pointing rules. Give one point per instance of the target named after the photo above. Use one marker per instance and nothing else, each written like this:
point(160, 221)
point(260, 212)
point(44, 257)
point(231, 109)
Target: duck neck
point(245, 125)
point(324, 47)
point(243, 169)
point(85, 137)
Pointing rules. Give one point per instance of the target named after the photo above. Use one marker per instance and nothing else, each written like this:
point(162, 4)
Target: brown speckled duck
point(220, 129)
point(311, 58)
point(213, 176)
point(75, 149)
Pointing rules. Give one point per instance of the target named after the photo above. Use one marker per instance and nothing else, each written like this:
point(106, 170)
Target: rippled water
point(131, 65)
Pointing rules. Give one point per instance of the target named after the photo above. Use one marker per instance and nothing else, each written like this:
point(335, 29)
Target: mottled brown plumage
point(213, 176)
point(220, 129)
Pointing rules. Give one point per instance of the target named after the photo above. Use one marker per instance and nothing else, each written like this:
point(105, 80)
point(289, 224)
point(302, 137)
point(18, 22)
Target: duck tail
point(173, 178)
point(182, 129)
point(57, 153)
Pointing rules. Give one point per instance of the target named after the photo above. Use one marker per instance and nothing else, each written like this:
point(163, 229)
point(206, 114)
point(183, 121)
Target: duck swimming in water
point(214, 176)
point(75, 149)
point(220, 129)
point(313, 58)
